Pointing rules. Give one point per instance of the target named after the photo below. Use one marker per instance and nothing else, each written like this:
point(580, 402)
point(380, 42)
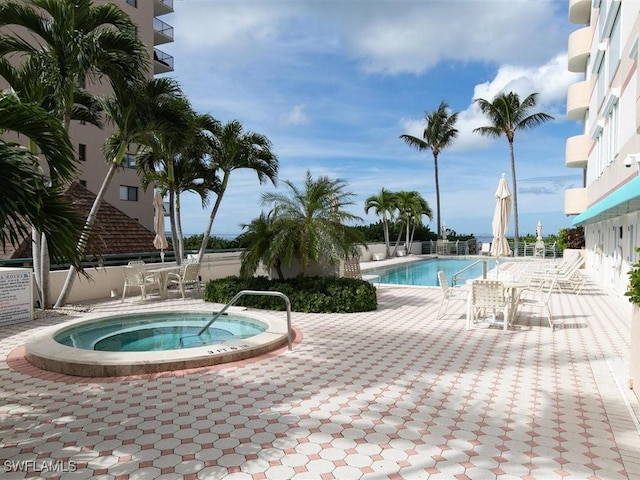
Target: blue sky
point(334, 83)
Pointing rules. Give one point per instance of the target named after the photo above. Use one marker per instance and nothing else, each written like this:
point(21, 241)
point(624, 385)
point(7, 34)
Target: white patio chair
point(135, 277)
point(488, 297)
point(449, 294)
point(485, 249)
point(189, 275)
point(538, 297)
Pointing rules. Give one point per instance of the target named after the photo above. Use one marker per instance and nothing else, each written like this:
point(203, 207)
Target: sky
point(334, 83)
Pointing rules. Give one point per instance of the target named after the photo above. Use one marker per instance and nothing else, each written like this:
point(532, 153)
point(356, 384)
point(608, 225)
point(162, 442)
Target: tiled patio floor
point(386, 394)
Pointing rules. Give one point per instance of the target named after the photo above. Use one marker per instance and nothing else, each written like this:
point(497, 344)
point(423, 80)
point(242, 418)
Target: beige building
point(607, 100)
point(125, 192)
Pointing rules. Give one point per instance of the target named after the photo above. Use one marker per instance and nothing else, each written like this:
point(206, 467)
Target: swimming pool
point(425, 272)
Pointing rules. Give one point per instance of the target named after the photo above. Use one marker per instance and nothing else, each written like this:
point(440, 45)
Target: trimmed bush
point(307, 294)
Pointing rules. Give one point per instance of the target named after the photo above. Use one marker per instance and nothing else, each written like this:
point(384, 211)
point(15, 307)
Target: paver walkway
point(385, 394)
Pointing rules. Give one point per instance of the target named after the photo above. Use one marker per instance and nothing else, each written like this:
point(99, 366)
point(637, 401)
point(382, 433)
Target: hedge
point(307, 294)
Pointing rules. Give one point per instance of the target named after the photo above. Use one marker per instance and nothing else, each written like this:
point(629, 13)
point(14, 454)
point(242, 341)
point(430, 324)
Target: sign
point(16, 304)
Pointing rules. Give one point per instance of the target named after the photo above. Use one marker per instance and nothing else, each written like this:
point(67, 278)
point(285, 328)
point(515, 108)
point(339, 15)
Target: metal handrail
point(255, 292)
point(484, 261)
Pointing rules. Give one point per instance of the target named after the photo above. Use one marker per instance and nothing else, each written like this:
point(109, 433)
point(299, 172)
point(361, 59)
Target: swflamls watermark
point(40, 466)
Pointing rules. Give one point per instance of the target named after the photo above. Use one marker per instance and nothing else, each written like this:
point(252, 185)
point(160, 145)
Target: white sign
point(16, 304)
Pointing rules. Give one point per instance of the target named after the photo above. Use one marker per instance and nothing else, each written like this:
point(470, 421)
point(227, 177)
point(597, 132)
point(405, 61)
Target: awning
point(624, 200)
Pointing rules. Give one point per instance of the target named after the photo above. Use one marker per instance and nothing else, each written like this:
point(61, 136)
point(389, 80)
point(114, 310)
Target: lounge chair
point(449, 293)
point(351, 269)
point(485, 249)
point(565, 276)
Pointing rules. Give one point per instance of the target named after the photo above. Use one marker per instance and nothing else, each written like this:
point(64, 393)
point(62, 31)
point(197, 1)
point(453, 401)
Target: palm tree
point(384, 205)
point(135, 112)
point(83, 42)
point(74, 41)
point(258, 240)
point(439, 133)
point(411, 207)
point(28, 81)
point(232, 149)
point(310, 222)
point(507, 115)
point(27, 199)
point(175, 159)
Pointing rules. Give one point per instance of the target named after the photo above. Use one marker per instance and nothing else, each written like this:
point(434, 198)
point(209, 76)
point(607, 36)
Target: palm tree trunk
point(174, 233)
point(180, 245)
point(516, 235)
point(45, 266)
point(214, 211)
point(406, 240)
point(435, 165)
point(37, 266)
point(89, 223)
point(385, 230)
point(395, 249)
point(172, 211)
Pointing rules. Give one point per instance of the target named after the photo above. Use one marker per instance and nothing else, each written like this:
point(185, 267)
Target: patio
point(386, 394)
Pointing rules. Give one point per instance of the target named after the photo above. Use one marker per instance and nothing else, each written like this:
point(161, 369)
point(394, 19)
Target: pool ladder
point(242, 293)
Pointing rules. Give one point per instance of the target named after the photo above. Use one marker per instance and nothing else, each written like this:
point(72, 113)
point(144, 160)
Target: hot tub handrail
point(255, 292)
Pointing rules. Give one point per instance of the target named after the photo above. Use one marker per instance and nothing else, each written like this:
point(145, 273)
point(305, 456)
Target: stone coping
point(43, 352)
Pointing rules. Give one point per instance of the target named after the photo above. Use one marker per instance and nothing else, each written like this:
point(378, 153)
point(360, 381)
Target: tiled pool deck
point(393, 394)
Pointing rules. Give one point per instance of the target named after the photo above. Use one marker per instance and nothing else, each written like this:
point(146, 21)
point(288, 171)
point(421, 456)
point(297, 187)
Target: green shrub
point(633, 289)
point(307, 294)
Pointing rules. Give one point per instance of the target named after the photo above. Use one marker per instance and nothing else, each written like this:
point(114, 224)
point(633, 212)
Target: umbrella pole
point(162, 255)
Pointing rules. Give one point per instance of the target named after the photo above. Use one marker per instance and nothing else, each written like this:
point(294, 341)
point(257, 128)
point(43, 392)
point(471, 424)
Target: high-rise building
point(125, 191)
point(607, 101)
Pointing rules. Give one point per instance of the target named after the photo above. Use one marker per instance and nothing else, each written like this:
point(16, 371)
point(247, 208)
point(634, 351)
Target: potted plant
point(633, 292)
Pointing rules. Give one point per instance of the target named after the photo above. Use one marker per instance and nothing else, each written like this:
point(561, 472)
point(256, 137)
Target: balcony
point(577, 151)
point(578, 97)
point(162, 32)
point(162, 7)
point(579, 49)
point(575, 201)
point(580, 11)
point(162, 62)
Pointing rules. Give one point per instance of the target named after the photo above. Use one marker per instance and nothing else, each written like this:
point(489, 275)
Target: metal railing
point(455, 277)
point(163, 28)
point(162, 57)
point(253, 292)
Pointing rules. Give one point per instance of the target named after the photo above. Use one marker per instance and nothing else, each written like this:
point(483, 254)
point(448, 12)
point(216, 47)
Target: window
point(129, 194)
point(129, 160)
point(82, 122)
point(82, 152)
point(133, 3)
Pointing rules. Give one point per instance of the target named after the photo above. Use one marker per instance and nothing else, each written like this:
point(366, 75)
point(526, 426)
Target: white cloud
point(549, 80)
point(388, 36)
point(297, 116)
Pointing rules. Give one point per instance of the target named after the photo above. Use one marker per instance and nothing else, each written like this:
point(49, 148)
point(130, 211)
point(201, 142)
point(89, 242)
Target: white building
point(607, 101)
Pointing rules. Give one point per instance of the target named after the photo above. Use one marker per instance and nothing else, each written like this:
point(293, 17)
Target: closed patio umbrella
point(160, 240)
point(499, 246)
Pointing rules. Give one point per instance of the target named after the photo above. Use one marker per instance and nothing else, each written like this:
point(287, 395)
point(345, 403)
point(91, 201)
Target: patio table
point(512, 288)
point(162, 274)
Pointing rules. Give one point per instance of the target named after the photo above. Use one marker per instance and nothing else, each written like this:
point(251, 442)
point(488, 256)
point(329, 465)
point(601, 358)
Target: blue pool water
point(425, 272)
point(159, 331)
